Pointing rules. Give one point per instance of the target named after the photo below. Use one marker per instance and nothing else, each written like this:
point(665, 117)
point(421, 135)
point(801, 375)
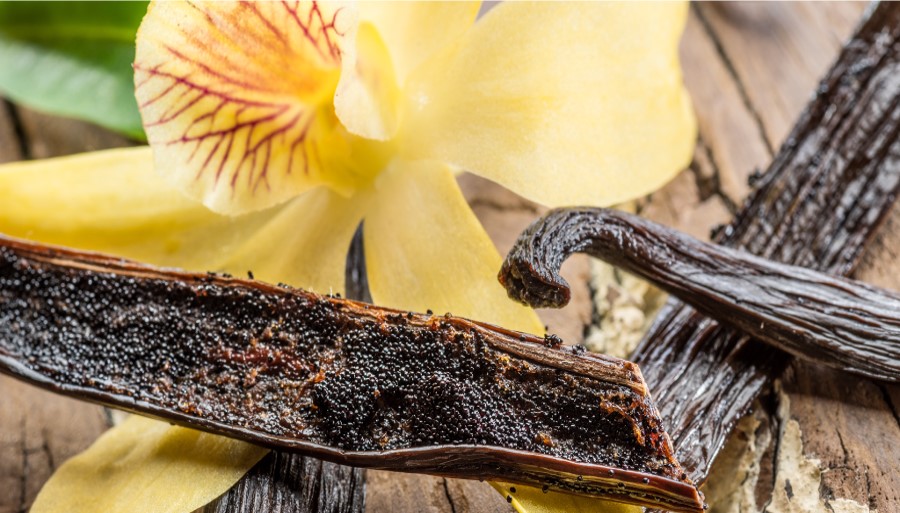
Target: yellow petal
point(112, 201)
point(562, 102)
point(414, 31)
point(236, 97)
point(367, 97)
point(305, 245)
point(144, 465)
point(425, 249)
point(526, 499)
point(393, 39)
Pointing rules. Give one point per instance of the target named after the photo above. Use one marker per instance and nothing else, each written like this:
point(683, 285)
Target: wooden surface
point(750, 68)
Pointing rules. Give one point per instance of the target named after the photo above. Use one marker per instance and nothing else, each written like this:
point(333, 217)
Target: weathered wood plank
point(393, 492)
point(38, 431)
point(847, 445)
point(284, 482)
point(850, 427)
point(730, 146)
point(778, 51)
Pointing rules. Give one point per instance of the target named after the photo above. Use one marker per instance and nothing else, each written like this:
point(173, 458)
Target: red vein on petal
point(304, 28)
point(300, 141)
point(268, 24)
point(204, 89)
point(230, 80)
point(165, 92)
point(212, 153)
point(215, 133)
point(315, 11)
point(225, 157)
point(211, 115)
point(211, 71)
point(332, 25)
point(263, 175)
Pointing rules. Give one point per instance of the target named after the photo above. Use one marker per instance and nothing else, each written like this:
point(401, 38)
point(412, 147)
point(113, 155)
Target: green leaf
point(72, 59)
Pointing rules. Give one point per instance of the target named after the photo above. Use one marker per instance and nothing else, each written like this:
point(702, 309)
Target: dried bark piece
point(833, 321)
point(335, 379)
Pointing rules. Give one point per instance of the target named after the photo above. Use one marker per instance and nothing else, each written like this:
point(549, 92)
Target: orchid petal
point(306, 244)
point(145, 465)
point(393, 39)
point(236, 97)
point(414, 31)
point(564, 103)
point(112, 201)
point(367, 97)
point(425, 249)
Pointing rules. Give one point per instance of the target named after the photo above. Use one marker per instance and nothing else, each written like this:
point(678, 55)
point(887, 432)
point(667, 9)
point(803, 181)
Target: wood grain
point(777, 52)
point(817, 206)
point(39, 431)
point(729, 148)
point(855, 441)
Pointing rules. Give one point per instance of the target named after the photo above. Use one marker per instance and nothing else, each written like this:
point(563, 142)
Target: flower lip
point(236, 98)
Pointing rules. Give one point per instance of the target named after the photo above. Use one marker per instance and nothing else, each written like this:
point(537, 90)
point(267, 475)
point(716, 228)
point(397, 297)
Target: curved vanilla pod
point(336, 379)
point(834, 321)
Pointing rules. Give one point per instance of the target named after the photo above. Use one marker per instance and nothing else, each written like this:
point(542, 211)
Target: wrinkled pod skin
point(336, 379)
point(833, 321)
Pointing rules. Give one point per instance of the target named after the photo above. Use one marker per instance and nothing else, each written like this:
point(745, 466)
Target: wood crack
point(890, 403)
point(843, 448)
point(776, 452)
point(711, 186)
point(23, 477)
point(729, 65)
point(448, 495)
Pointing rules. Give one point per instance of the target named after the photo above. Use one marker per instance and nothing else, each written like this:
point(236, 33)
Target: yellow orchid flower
point(276, 128)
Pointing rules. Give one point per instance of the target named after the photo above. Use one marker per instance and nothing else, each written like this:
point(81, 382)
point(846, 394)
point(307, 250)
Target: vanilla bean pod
point(285, 482)
point(332, 378)
point(823, 198)
point(833, 321)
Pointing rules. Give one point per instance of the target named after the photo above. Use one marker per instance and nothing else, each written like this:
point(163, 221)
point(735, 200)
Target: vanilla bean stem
point(834, 321)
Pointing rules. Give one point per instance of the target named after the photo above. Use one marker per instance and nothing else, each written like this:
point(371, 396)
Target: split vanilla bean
point(830, 320)
point(286, 482)
point(333, 378)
